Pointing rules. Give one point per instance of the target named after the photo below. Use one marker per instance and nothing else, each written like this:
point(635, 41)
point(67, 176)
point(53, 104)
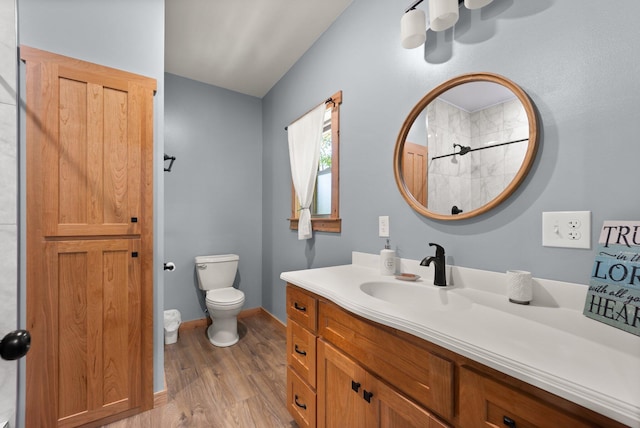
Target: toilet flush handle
point(201, 266)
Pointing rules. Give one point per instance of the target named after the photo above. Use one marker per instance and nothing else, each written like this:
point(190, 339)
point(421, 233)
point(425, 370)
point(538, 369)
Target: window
point(324, 210)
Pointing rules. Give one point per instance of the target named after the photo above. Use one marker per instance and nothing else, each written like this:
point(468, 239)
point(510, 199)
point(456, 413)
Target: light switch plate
point(567, 229)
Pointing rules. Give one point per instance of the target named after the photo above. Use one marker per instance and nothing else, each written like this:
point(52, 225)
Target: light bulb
point(413, 29)
point(476, 4)
point(443, 14)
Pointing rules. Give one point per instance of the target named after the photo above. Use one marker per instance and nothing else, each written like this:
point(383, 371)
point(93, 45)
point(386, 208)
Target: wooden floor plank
point(242, 386)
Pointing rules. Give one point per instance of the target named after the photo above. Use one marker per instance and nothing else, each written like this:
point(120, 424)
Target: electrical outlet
point(568, 229)
point(574, 235)
point(574, 223)
point(383, 226)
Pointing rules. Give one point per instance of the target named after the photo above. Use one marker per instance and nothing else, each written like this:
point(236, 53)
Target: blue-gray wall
point(575, 59)
point(123, 34)
point(212, 197)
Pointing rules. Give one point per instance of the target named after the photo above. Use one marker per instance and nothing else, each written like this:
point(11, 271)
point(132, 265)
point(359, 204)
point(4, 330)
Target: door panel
point(73, 330)
point(93, 175)
point(98, 329)
point(72, 157)
point(117, 185)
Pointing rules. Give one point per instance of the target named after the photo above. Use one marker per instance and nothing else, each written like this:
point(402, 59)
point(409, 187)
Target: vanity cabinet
point(347, 371)
point(328, 386)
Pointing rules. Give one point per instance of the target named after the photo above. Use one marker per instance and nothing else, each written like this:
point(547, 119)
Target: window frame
point(332, 222)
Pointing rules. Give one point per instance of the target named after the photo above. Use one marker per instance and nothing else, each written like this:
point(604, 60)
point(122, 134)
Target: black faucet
point(440, 276)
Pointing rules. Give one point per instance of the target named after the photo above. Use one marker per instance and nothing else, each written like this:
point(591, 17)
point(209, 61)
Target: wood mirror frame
point(433, 95)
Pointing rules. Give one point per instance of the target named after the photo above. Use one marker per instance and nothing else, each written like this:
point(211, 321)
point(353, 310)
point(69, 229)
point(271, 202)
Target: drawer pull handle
point(509, 422)
point(355, 385)
point(300, 308)
point(299, 351)
point(367, 396)
point(302, 406)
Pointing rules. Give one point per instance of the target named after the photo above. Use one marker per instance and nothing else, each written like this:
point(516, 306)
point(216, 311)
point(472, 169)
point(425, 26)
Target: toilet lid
point(225, 296)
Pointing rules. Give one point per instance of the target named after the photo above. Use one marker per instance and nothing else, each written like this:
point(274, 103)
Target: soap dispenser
point(387, 260)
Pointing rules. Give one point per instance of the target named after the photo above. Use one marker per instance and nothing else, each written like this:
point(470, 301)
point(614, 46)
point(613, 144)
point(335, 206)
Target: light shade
point(443, 14)
point(476, 4)
point(413, 29)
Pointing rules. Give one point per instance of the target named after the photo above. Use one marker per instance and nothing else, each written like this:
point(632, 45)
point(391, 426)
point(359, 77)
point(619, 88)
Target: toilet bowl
point(216, 274)
point(224, 305)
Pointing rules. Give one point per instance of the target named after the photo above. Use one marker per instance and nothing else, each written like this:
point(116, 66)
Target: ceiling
point(244, 46)
point(474, 96)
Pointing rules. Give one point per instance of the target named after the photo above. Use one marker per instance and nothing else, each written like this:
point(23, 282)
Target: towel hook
point(171, 158)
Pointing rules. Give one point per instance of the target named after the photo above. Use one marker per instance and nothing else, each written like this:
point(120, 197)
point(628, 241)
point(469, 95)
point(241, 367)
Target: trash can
point(172, 322)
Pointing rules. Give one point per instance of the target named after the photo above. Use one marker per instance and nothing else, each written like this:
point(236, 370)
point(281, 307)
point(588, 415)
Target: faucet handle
point(439, 249)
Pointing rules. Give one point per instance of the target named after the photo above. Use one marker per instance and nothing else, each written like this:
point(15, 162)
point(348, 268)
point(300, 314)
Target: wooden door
point(414, 170)
point(89, 241)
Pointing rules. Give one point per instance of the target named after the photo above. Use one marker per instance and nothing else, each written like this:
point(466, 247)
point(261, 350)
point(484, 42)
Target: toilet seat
point(228, 296)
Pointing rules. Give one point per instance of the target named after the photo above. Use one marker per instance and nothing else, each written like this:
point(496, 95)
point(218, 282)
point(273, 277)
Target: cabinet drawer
point(302, 308)
point(485, 402)
point(301, 400)
point(423, 376)
point(301, 351)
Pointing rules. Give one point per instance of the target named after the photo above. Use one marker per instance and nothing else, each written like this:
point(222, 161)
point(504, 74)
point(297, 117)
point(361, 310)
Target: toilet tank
point(216, 271)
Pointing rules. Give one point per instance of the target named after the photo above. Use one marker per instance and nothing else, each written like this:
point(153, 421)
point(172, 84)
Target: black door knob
point(15, 345)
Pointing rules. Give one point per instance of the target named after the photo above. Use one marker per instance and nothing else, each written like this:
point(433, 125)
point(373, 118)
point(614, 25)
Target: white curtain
point(305, 136)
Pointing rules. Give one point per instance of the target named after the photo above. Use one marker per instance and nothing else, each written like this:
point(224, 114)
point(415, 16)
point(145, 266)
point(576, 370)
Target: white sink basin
point(417, 296)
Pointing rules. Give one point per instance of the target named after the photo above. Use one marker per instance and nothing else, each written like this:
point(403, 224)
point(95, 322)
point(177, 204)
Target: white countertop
point(549, 344)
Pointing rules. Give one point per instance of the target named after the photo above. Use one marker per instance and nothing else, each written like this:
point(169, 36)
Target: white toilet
point(215, 276)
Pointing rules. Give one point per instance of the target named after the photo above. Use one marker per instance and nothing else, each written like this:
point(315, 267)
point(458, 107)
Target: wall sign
point(614, 289)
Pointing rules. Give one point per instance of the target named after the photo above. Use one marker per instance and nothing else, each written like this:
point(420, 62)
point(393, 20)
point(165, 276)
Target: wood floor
point(240, 386)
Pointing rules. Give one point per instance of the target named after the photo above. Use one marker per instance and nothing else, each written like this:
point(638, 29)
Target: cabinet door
point(349, 396)
point(486, 403)
point(94, 327)
point(92, 146)
point(393, 410)
point(340, 389)
point(427, 378)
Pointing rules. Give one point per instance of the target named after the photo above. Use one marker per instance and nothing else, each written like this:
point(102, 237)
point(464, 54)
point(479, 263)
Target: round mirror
point(465, 147)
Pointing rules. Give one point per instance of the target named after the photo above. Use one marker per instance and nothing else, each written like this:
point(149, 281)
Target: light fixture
point(476, 4)
point(413, 29)
point(443, 14)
